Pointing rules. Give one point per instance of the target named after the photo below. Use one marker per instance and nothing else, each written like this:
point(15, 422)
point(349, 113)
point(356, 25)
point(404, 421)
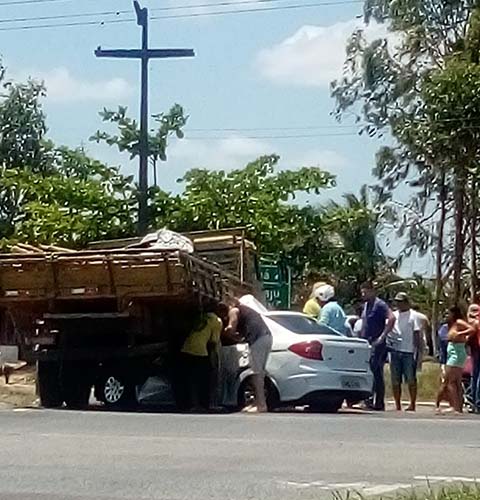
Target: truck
point(117, 313)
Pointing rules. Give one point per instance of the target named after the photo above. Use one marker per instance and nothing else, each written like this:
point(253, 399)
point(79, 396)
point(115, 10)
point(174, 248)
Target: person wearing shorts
point(404, 342)
point(459, 332)
point(249, 327)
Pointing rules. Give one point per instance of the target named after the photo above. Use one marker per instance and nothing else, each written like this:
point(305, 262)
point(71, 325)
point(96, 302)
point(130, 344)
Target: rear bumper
point(318, 396)
point(305, 386)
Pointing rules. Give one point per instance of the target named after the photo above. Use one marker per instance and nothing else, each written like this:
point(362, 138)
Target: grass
point(428, 383)
point(458, 492)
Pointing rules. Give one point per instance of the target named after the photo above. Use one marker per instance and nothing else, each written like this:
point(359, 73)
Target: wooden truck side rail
point(115, 274)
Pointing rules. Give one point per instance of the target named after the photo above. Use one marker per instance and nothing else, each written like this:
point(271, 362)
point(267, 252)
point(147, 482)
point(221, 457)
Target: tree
point(357, 223)
point(80, 201)
point(258, 197)
point(22, 126)
point(387, 82)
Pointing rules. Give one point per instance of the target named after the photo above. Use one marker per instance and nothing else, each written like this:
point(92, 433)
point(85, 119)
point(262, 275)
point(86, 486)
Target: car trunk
point(345, 354)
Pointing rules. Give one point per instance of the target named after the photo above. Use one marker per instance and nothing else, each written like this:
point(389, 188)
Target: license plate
point(351, 383)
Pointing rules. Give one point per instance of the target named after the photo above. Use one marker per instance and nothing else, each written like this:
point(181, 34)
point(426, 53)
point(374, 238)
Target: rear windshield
point(302, 325)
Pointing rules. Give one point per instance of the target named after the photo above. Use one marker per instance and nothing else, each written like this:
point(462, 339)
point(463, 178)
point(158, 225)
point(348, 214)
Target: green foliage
point(23, 127)
point(356, 224)
point(68, 207)
point(257, 197)
point(128, 137)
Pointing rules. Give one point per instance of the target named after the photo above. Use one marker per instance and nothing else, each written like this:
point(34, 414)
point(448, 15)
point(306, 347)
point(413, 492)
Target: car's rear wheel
point(326, 406)
point(247, 394)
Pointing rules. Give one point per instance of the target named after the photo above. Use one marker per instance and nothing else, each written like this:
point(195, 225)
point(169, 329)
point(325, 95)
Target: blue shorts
point(403, 368)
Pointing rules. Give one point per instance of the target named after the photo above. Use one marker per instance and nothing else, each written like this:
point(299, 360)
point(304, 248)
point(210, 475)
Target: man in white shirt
point(404, 342)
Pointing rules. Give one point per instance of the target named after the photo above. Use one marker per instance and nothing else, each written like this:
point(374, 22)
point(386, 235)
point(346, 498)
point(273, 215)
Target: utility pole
point(144, 55)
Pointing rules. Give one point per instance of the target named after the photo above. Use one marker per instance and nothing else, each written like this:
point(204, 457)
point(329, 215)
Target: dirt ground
point(21, 389)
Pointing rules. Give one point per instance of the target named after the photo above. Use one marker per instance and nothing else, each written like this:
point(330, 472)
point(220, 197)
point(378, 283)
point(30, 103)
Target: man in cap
point(405, 343)
point(331, 314)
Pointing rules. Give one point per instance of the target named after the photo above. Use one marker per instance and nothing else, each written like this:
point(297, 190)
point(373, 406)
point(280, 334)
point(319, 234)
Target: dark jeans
point(476, 381)
point(378, 359)
point(193, 382)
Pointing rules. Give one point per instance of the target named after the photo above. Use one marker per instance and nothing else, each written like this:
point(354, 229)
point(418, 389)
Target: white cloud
point(314, 55)
point(227, 153)
point(62, 86)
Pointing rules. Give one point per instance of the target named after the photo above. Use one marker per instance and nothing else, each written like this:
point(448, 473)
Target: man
point(331, 313)
point(474, 344)
point(425, 333)
point(377, 322)
point(247, 325)
point(405, 344)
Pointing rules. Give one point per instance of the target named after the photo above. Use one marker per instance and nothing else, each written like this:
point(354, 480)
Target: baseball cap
point(401, 297)
point(325, 293)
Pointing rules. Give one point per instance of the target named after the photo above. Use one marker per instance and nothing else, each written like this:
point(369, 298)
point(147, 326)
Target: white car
point(311, 364)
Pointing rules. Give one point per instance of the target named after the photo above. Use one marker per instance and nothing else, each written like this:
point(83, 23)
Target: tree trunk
point(473, 236)
point(459, 199)
point(442, 198)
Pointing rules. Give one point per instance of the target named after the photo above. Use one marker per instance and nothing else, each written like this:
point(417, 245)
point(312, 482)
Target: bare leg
point(412, 389)
point(459, 390)
point(258, 382)
point(442, 393)
point(397, 396)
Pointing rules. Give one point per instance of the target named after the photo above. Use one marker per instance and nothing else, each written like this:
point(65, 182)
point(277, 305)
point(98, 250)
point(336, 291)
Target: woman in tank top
point(459, 332)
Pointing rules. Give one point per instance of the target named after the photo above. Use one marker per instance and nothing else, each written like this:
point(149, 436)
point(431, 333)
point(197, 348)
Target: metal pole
point(143, 173)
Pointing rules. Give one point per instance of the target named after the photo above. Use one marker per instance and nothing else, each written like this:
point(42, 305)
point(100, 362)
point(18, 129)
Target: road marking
point(446, 479)
point(367, 489)
point(382, 489)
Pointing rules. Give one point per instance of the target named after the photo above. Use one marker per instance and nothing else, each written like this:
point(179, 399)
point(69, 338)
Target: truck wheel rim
point(113, 390)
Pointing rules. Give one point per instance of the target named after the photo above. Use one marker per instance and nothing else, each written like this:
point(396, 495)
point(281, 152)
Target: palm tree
point(357, 223)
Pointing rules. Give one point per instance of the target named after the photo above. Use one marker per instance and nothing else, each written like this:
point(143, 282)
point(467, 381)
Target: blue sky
point(236, 81)
point(265, 70)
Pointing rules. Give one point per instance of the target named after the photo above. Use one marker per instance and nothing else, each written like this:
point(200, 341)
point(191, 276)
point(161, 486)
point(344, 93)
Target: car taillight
point(309, 350)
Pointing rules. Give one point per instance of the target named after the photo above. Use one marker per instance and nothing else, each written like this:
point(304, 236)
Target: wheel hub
point(113, 390)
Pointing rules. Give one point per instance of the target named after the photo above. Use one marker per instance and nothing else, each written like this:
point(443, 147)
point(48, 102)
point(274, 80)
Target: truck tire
point(76, 386)
point(49, 387)
point(115, 390)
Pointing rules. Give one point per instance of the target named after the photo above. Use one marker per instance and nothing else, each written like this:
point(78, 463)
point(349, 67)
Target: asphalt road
point(53, 455)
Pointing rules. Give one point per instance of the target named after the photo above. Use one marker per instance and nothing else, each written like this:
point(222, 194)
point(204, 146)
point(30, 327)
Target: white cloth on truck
point(164, 239)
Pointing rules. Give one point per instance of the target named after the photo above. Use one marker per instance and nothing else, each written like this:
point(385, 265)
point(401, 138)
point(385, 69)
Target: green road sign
point(276, 281)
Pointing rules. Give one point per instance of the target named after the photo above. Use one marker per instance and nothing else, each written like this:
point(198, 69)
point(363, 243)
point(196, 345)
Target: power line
point(259, 9)
point(29, 2)
point(172, 16)
point(294, 136)
point(123, 12)
point(64, 16)
point(260, 129)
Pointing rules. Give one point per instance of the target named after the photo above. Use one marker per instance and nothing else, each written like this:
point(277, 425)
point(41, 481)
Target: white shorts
point(259, 352)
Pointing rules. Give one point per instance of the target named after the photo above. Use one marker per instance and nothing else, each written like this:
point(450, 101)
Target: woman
point(312, 307)
point(194, 378)
point(247, 325)
point(459, 332)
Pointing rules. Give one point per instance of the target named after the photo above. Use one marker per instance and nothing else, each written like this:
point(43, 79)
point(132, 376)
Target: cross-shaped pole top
point(144, 55)
point(142, 13)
